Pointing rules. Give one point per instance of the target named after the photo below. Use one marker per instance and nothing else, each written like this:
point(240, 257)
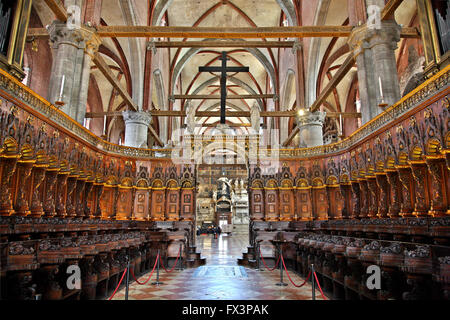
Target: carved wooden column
point(70, 207)
point(364, 198)
point(98, 189)
point(439, 200)
point(116, 194)
point(395, 194)
point(149, 215)
point(49, 191)
point(419, 173)
point(447, 177)
point(345, 190)
point(356, 200)
point(334, 201)
point(405, 177)
point(383, 189)
point(79, 197)
point(63, 175)
point(88, 209)
point(36, 204)
point(133, 198)
point(9, 164)
point(23, 172)
point(373, 196)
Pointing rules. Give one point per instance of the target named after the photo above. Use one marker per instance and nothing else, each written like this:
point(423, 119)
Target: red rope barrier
point(123, 275)
point(298, 286)
point(262, 258)
point(132, 273)
point(318, 284)
point(173, 267)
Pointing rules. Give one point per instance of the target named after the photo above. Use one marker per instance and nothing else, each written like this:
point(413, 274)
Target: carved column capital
point(297, 46)
point(364, 37)
point(92, 41)
point(133, 117)
point(151, 46)
point(60, 34)
point(309, 118)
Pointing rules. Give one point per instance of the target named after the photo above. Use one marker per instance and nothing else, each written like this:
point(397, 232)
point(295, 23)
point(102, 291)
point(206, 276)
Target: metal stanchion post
point(281, 283)
point(128, 278)
point(157, 282)
point(313, 283)
point(258, 256)
point(180, 265)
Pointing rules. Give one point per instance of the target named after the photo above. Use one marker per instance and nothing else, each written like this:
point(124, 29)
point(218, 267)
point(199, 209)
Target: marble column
point(374, 49)
point(136, 128)
point(310, 125)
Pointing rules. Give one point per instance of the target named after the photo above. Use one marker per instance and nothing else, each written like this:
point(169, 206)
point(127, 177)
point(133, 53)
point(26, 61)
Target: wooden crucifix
point(223, 80)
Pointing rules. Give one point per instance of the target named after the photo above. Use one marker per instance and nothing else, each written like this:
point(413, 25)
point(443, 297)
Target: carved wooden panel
point(173, 204)
point(141, 204)
point(320, 203)
point(107, 202)
point(256, 204)
point(187, 204)
point(158, 204)
point(124, 204)
point(287, 204)
point(271, 205)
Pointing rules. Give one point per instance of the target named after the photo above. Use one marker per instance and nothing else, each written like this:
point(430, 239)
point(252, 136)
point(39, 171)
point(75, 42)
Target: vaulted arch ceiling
point(184, 63)
point(286, 5)
point(193, 51)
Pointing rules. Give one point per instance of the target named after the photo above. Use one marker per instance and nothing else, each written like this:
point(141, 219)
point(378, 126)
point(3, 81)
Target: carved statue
point(224, 187)
point(255, 117)
point(242, 184)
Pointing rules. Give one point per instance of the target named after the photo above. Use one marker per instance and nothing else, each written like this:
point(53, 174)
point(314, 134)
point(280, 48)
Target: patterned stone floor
point(220, 279)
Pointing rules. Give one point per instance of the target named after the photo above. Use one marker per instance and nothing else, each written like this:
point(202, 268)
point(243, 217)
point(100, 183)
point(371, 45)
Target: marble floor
point(220, 279)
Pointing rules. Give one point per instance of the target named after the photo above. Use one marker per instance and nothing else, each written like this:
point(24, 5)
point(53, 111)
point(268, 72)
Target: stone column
point(73, 51)
point(374, 50)
point(66, 45)
point(310, 125)
point(136, 128)
point(297, 50)
point(92, 42)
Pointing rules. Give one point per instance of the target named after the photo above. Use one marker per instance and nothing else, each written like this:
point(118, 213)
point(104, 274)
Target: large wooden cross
point(223, 80)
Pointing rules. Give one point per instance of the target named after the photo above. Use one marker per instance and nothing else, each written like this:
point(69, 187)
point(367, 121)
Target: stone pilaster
point(374, 51)
point(136, 128)
point(310, 125)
